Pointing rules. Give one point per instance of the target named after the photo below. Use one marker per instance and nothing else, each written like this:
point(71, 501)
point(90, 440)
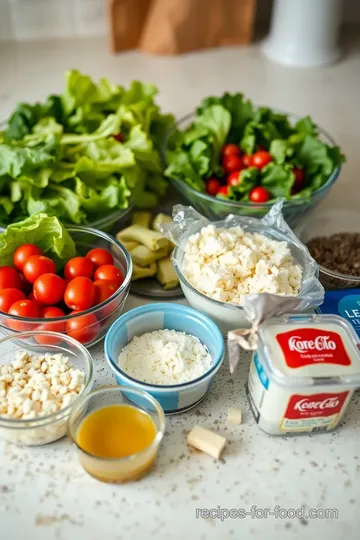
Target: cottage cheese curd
point(227, 264)
point(165, 357)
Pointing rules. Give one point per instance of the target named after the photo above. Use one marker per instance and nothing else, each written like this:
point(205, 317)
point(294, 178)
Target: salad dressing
point(117, 432)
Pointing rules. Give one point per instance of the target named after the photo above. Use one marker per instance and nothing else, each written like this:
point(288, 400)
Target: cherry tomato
point(104, 289)
point(51, 312)
point(10, 278)
point(260, 159)
point(79, 266)
point(234, 178)
point(80, 294)
point(232, 163)
point(212, 186)
point(230, 150)
point(224, 190)
point(49, 289)
point(32, 297)
point(109, 272)
point(8, 297)
point(22, 253)
point(84, 328)
point(259, 195)
point(247, 160)
point(100, 256)
point(119, 137)
point(299, 180)
point(27, 309)
point(36, 265)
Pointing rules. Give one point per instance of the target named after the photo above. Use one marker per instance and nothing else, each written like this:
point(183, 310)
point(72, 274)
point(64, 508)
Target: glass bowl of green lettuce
point(192, 154)
point(85, 156)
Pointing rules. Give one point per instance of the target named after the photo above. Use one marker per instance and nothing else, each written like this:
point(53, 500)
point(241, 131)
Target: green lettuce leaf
point(240, 109)
point(15, 161)
point(248, 179)
point(278, 179)
point(46, 232)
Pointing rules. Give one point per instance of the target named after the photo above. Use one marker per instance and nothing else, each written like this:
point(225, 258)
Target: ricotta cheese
point(165, 357)
point(227, 264)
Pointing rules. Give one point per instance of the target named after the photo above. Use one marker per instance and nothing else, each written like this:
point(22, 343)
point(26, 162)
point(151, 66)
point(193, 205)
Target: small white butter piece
point(206, 441)
point(234, 416)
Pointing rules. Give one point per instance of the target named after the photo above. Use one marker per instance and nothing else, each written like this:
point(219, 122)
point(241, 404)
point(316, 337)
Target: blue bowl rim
point(248, 205)
point(165, 306)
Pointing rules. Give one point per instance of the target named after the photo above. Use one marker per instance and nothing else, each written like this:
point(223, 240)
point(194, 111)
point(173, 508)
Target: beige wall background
point(40, 19)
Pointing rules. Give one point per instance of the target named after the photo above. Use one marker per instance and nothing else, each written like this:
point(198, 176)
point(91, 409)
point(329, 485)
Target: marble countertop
point(44, 493)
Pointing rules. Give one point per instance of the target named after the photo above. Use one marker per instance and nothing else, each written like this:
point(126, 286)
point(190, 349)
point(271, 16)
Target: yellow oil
point(116, 431)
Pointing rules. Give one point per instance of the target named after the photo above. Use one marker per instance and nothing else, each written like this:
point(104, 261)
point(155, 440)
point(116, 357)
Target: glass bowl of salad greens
point(85, 155)
point(232, 157)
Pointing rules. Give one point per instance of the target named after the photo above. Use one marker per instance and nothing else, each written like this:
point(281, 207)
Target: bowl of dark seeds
point(333, 239)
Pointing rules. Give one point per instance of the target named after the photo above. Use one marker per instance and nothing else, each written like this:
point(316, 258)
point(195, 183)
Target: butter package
point(343, 302)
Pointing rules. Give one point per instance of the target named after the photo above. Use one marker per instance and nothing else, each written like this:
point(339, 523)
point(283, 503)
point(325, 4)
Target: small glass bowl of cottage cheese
point(219, 264)
point(170, 351)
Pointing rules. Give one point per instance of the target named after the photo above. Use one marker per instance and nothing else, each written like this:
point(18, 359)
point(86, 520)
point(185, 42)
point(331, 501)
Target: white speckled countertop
point(44, 494)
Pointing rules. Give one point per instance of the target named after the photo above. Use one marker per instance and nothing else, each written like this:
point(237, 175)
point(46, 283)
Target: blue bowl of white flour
point(171, 351)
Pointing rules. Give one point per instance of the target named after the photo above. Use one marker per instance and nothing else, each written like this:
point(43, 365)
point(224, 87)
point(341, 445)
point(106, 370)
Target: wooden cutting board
point(179, 26)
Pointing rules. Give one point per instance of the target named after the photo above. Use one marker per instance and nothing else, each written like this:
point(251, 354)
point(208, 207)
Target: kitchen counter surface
point(44, 494)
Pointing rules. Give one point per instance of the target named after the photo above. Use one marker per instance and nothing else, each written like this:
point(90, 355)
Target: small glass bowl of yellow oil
point(117, 431)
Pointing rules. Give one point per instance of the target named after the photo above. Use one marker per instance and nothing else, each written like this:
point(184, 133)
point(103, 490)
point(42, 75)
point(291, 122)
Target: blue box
point(343, 302)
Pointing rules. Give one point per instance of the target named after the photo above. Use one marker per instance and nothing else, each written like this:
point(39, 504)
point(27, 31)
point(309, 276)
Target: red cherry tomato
point(84, 328)
point(104, 289)
point(27, 309)
point(247, 160)
point(260, 159)
point(224, 190)
point(32, 297)
point(100, 256)
point(299, 180)
point(8, 297)
point(36, 265)
point(119, 137)
point(77, 267)
point(80, 294)
point(22, 253)
point(49, 289)
point(212, 186)
point(232, 163)
point(259, 195)
point(110, 273)
point(234, 178)
point(10, 278)
point(51, 312)
point(230, 150)
point(261, 147)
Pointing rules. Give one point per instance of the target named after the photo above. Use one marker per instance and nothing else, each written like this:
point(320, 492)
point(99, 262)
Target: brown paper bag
point(126, 22)
point(178, 26)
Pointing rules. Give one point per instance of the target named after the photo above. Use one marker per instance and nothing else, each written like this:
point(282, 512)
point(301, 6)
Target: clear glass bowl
point(217, 209)
point(327, 223)
point(117, 470)
point(49, 428)
point(102, 315)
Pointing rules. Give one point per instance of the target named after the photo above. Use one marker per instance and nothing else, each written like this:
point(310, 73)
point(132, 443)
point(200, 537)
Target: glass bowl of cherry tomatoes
point(81, 300)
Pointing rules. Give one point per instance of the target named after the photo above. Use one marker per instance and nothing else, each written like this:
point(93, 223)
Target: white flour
point(165, 357)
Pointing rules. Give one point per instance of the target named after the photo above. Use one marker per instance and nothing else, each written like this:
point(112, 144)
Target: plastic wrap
point(260, 306)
